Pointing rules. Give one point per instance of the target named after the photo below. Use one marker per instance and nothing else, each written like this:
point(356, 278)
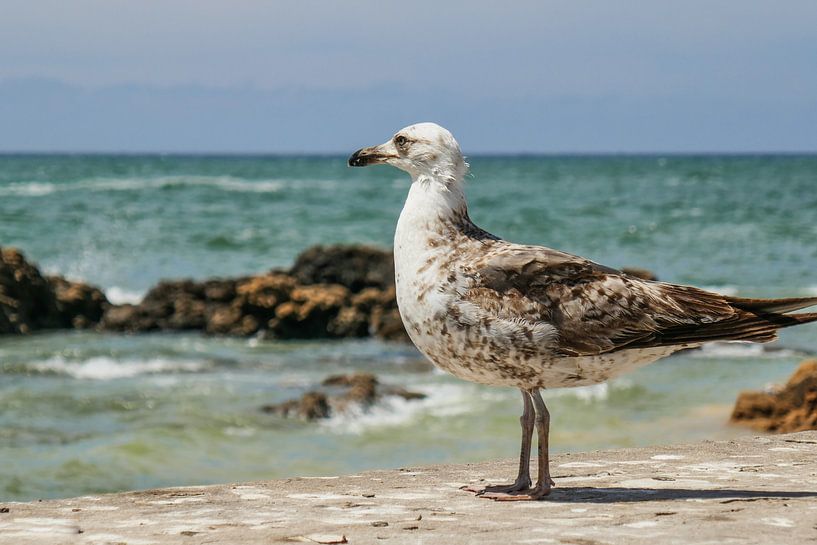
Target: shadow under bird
point(494, 312)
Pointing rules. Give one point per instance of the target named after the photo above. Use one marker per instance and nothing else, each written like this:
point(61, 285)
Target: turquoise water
point(82, 412)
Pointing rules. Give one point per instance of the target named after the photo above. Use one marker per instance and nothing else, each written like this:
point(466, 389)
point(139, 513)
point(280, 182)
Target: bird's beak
point(374, 155)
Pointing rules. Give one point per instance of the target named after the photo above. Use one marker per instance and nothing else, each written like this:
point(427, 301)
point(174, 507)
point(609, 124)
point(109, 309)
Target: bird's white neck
point(432, 200)
point(433, 207)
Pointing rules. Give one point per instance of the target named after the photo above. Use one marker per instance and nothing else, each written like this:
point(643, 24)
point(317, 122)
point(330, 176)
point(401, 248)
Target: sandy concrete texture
point(753, 490)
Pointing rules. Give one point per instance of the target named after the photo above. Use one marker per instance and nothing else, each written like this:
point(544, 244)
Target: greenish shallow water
point(83, 413)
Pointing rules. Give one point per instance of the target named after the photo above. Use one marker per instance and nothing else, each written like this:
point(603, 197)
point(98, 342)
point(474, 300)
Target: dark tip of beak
point(357, 159)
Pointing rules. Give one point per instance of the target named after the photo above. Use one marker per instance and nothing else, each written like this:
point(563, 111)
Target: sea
point(85, 413)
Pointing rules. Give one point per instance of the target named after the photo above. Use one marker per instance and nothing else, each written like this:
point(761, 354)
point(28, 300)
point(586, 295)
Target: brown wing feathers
point(713, 317)
point(596, 309)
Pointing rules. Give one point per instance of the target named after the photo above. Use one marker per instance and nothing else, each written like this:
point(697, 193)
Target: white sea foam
point(738, 349)
point(390, 411)
point(443, 400)
point(226, 183)
point(106, 368)
point(121, 296)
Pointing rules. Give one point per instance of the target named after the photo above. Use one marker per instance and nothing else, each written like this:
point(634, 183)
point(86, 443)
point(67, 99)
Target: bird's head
point(424, 150)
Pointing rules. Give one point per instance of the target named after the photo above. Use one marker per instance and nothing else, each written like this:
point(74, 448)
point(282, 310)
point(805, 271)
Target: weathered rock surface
point(340, 393)
point(754, 490)
point(80, 305)
point(354, 266)
point(27, 300)
point(331, 292)
point(30, 301)
point(792, 407)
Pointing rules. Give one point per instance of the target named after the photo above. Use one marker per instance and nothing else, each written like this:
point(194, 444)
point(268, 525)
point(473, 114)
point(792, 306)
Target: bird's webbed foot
point(519, 485)
point(540, 491)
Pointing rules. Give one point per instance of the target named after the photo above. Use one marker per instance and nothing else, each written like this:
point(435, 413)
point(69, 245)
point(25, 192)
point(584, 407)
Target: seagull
point(493, 312)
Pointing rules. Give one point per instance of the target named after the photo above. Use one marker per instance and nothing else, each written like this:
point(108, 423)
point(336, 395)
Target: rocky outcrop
point(339, 394)
point(30, 301)
point(792, 407)
point(330, 292)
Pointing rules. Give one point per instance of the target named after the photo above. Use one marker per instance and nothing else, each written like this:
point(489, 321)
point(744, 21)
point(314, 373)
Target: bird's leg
point(543, 482)
point(522, 482)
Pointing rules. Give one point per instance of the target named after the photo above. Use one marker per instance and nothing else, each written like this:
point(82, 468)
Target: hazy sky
point(310, 76)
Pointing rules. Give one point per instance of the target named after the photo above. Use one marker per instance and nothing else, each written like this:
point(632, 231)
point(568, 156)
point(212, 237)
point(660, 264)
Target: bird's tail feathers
point(772, 305)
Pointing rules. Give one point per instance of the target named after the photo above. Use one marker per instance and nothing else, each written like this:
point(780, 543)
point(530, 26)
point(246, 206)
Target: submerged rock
point(342, 392)
point(310, 406)
point(792, 407)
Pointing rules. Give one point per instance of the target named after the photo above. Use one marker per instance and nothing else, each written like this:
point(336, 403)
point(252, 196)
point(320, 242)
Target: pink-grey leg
point(522, 482)
point(543, 481)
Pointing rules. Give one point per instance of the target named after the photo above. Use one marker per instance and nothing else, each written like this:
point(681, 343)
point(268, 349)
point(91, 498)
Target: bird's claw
point(531, 494)
point(519, 485)
point(518, 491)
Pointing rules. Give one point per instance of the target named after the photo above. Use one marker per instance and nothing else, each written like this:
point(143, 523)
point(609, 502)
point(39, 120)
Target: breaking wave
point(225, 183)
point(121, 296)
point(391, 411)
point(444, 400)
point(105, 368)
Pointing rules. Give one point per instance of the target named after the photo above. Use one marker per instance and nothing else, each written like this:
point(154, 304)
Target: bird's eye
point(400, 140)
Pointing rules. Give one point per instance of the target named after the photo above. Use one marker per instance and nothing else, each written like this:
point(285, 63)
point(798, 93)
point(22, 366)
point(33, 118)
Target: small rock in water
point(361, 390)
point(311, 406)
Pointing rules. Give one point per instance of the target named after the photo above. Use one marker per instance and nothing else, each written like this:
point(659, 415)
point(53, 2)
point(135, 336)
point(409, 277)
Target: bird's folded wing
point(595, 309)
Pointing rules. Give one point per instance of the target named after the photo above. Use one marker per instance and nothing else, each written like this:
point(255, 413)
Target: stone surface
point(788, 408)
point(27, 301)
point(79, 305)
point(755, 490)
point(355, 266)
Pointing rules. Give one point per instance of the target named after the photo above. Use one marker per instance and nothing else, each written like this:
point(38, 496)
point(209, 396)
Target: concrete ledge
point(758, 490)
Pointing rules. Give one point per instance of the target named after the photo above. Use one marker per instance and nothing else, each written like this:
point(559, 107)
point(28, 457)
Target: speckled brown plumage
point(494, 312)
